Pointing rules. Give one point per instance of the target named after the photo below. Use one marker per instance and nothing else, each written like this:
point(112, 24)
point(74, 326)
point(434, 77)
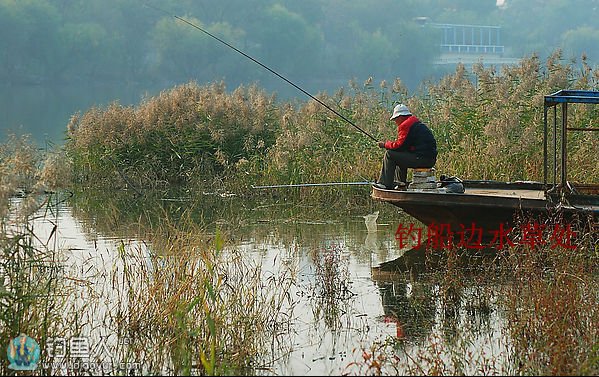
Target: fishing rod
point(263, 66)
point(313, 184)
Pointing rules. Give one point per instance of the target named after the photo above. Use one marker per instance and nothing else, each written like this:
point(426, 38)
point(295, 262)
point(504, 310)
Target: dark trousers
point(396, 164)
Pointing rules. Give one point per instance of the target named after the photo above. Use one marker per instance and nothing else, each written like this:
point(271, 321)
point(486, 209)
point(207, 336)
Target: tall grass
point(526, 310)
point(187, 134)
point(200, 309)
point(551, 304)
point(488, 125)
point(190, 306)
point(29, 265)
point(194, 306)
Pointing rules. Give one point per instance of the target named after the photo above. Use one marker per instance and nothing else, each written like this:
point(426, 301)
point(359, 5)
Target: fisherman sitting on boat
point(415, 147)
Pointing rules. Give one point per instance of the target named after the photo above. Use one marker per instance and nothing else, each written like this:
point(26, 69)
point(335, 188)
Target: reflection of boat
point(493, 205)
point(418, 301)
point(422, 260)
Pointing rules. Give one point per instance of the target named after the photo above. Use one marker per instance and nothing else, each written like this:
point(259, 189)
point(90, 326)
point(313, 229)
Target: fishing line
point(263, 66)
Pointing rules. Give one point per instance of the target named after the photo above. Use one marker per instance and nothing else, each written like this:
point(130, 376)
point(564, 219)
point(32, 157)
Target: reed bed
point(551, 304)
point(187, 134)
point(29, 265)
point(182, 305)
point(200, 309)
point(544, 294)
point(488, 125)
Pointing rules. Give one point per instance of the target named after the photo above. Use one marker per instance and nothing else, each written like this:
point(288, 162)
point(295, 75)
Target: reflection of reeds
point(552, 304)
point(30, 302)
point(188, 307)
point(332, 285)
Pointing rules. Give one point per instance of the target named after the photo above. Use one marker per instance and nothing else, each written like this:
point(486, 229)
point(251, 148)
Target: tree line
point(313, 41)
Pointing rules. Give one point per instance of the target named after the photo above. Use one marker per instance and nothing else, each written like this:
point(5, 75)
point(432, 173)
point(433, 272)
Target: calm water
point(44, 111)
point(406, 315)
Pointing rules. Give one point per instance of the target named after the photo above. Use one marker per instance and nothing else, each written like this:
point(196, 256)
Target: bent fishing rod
point(263, 66)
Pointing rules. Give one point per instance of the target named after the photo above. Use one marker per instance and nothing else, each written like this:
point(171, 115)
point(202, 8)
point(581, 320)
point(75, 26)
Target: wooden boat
point(486, 205)
point(493, 206)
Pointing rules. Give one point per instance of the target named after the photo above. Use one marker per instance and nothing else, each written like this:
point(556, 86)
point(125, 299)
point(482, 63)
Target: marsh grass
point(199, 309)
point(551, 304)
point(189, 305)
point(187, 134)
point(30, 265)
point(332, 287)
point(488, 125)
point(185, 306)
point(30, 278)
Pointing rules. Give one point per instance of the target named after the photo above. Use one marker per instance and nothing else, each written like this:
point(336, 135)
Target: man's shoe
point(380, 186)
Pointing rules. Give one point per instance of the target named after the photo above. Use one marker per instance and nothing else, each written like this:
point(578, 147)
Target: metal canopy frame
point(563, 98)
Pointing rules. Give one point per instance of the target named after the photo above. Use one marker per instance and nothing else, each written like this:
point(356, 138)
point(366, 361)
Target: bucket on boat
point(452, 184)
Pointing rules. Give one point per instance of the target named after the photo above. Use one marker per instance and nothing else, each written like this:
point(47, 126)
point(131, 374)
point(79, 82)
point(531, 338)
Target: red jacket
point(415, 137)
point(402, 132)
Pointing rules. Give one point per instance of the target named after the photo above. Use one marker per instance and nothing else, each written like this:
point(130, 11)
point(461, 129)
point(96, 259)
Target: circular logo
point(23, 353)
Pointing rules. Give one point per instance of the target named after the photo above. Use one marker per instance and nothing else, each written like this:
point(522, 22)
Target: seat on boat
point(423, 178)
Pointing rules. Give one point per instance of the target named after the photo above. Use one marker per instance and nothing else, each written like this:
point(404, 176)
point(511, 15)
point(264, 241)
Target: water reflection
point(354, 293)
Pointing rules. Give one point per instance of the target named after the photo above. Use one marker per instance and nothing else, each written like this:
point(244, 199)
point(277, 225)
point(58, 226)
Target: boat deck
point(507, 192)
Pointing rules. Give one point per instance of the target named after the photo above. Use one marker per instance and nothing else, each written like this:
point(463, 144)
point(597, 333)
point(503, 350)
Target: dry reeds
point(29, 299)
point(185, 135)
point(199, 309)
point(488, 125)
point(532, 310)
point(189, 306)
point(551, 303)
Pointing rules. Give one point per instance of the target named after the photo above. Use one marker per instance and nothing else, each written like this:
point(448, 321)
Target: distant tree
point(9, 40)
point(182, 53)
point(373, 54)
point(84, 52)
point(326, 42)
point(581, 41)
point(537, 26)
point(29, 37)
point(456, 11)
point(481, 7)
point(287, 42)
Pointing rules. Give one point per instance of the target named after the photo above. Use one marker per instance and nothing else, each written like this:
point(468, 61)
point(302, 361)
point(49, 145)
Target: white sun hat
point(400, 110)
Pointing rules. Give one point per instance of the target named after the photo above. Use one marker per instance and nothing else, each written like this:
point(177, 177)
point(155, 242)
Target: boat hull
point(487, 207)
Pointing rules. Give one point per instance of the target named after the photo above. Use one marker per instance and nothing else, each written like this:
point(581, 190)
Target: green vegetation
point(488, 125)
point(546, 293)
point(185, 304)
point(184, 135)
point(324, 42)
